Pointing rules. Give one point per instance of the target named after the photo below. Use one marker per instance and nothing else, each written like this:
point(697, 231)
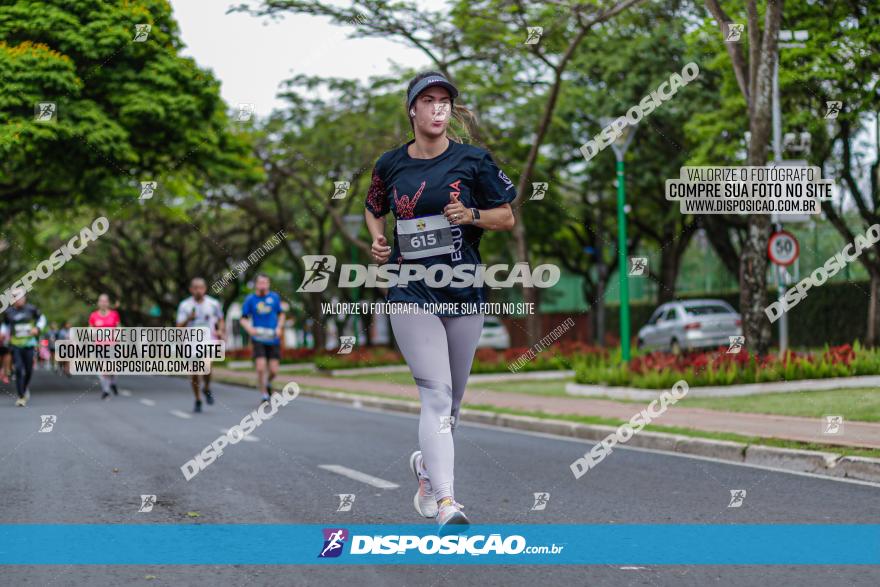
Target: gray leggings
point(439, 351)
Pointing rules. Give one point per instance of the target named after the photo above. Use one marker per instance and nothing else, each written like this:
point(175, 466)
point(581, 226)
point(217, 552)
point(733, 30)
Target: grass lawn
point(534, 387)
point(853, 404)
point(283, 371)
point(403, 378)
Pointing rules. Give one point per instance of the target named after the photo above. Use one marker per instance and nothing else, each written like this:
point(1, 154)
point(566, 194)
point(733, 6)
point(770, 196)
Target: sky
point(252, 55)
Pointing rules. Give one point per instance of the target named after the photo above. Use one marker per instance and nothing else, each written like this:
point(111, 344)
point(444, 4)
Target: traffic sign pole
point(783, 320)
point(783, 250)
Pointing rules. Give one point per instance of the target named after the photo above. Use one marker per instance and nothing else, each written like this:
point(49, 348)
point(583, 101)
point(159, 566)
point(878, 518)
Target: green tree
point(126, 109)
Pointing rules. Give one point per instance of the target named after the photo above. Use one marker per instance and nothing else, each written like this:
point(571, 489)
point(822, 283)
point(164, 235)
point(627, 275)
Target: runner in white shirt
point(201, 310)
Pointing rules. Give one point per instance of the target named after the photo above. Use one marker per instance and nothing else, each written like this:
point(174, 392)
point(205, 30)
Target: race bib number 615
point(428, 236)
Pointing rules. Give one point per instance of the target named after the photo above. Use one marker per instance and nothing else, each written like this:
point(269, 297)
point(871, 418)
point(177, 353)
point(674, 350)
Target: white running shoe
point(451, 519)
point(424, 498)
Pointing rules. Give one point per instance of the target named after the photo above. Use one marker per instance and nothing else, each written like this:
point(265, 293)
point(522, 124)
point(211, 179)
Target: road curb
point(859, 468)
point(717, 449)
point(741, 389)
point(805, 461)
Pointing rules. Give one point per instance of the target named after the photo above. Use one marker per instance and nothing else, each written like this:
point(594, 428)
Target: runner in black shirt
point(23, 323)
point(443, 195)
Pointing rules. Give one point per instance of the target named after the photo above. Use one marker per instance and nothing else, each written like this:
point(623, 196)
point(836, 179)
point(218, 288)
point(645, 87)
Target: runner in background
point(5, 355)
point(44, 357)
point(23, 323)
point(201, 310)
point(263, 320)
point(105, 317)
point(52, 337)
point(63, 334)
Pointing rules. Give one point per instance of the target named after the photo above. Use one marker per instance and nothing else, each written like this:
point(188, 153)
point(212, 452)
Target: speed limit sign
point(783, 248)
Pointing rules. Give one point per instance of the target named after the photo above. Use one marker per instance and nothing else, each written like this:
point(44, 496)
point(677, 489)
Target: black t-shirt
point(20, 322)
point(418, 188)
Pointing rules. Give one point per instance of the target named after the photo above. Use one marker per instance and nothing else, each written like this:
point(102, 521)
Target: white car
point(494, 334)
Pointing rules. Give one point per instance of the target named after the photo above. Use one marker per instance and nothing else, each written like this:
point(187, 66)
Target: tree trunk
point(753, 263)
point(718, 235)
point(753, 285)
point(318, 333)
point(529, 294)
point(873, 314)
point(754, 77)
point(670, 261)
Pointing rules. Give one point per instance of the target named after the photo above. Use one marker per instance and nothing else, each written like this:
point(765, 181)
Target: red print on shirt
point(456, 190)
point(376, 194)
point(406, 205)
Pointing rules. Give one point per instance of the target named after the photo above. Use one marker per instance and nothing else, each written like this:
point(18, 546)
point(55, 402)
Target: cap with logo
point(428, 82)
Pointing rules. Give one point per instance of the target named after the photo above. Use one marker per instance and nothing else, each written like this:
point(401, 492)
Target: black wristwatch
point(476, 214)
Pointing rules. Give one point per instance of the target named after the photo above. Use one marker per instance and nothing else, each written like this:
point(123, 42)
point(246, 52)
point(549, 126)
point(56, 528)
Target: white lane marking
point(585, 441)
point(248, 438)
point(633, 568)
point(125, 392)
point(147, 402)
point(180, 414)
point(358, 476)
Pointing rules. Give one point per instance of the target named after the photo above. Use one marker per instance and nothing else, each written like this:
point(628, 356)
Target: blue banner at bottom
point(266, 544)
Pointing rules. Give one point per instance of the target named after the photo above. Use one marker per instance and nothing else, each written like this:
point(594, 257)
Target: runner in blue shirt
point(443, 195)
point(263, 320)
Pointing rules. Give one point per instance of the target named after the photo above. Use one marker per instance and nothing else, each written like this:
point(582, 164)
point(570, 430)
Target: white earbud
point(412, 112)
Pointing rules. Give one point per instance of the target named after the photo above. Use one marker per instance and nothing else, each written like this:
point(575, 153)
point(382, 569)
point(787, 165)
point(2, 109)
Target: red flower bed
point(720, 358)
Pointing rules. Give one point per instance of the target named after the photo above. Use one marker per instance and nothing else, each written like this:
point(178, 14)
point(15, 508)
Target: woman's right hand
point(380, 249)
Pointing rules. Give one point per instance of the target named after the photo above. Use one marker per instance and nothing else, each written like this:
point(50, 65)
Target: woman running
point(105, 317)
point(443, 194)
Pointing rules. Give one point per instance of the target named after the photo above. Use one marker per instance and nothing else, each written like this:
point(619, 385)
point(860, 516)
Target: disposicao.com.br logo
point(320, 268)
point(431, 544)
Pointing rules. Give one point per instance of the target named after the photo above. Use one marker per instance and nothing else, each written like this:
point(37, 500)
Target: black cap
point(425, 83)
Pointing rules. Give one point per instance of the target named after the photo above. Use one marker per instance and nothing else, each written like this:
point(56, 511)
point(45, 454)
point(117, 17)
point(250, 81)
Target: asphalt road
point(102, 455)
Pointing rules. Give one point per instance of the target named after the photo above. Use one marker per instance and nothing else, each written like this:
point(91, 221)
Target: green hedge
point(835, 313)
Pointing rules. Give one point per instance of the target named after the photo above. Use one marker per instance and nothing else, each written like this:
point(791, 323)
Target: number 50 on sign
point(783, 248)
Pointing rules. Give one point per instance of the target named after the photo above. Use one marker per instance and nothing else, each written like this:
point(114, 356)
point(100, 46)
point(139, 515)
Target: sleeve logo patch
point(503, 177)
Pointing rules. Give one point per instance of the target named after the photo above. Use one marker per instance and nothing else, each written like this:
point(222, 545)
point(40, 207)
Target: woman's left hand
point(456, 213)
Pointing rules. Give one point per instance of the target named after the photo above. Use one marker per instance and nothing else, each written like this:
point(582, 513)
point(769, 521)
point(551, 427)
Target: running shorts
point(268, 351)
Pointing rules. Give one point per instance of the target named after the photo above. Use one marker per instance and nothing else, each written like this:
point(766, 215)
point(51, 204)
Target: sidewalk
point(856, 434)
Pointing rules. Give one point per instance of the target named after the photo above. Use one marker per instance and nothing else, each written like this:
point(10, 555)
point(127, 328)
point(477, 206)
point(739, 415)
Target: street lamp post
point(620, 145)
point(352, 223)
